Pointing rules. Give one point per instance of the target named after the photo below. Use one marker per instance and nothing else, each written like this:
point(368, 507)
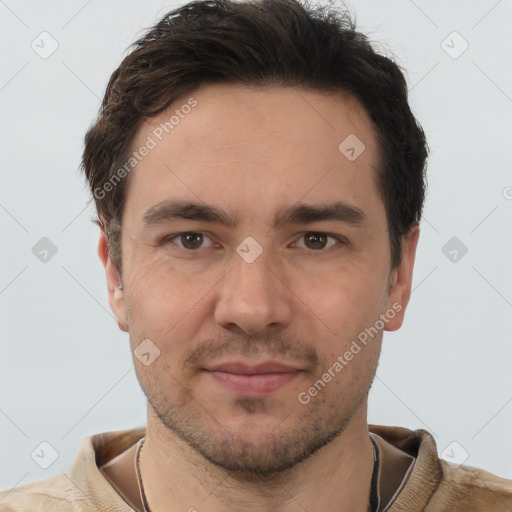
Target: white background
point(65, 367)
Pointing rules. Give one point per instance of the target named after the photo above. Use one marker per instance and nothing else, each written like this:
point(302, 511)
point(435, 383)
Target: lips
point(247, 369)
point(250, 379)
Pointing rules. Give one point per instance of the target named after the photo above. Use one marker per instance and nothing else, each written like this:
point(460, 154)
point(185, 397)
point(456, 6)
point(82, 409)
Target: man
point(259, 181)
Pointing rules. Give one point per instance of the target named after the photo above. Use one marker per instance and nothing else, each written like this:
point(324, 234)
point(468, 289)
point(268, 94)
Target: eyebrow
point(339, 211)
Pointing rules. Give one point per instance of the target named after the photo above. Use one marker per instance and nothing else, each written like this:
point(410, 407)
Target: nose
point(253, 297)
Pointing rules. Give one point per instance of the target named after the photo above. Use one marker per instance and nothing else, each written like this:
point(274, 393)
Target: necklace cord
point(142, 494)
point(374, 485)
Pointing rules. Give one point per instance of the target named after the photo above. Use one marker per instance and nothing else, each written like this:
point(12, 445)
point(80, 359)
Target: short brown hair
point(258, 43)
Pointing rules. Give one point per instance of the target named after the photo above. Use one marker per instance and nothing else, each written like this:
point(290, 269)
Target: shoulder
point(435, 485)
point(469, 489)
point(82, 487)
point(51, 494)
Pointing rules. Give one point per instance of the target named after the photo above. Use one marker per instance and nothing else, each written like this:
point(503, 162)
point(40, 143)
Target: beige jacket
point(431, 485)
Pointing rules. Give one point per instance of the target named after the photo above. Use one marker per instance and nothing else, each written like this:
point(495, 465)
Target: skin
point(251, 152)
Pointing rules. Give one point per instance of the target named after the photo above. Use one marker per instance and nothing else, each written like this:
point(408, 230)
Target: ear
point(401, 280)
point(115, 293)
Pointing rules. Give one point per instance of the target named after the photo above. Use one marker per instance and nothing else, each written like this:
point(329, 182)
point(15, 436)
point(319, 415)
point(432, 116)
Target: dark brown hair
point(257, 43)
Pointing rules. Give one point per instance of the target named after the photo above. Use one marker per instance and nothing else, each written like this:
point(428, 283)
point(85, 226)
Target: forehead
point(250, 147)
point(222, 110)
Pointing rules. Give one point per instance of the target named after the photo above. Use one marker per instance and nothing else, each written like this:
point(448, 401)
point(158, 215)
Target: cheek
point(345, 300)
point(166, 304)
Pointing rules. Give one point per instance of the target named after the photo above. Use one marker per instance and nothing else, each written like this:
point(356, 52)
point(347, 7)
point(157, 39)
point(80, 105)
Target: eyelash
point(169, 239)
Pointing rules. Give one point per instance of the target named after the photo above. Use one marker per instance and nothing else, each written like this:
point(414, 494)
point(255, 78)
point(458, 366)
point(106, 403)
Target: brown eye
point(191, 240)
point(315, 240)
point(319, 242)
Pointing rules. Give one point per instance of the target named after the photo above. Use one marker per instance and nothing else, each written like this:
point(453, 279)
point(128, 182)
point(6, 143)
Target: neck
point(177, 478)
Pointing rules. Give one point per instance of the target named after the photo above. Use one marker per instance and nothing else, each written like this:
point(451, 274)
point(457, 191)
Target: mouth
point(253, 380)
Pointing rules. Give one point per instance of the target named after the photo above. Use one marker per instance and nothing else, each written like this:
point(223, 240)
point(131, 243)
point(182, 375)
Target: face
point(255, 254)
